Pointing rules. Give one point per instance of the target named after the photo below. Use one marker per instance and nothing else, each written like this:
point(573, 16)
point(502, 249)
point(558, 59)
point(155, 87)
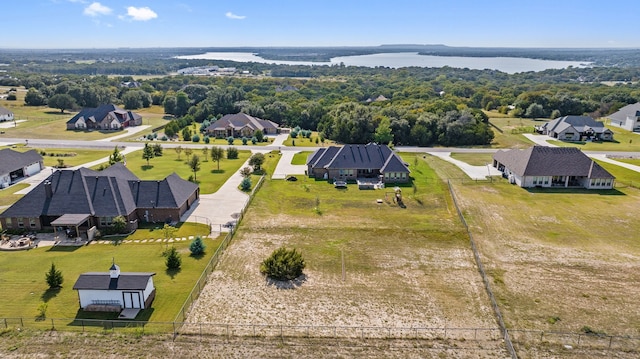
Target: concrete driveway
point(540, 139)
point(285, 168)
point(474, 172)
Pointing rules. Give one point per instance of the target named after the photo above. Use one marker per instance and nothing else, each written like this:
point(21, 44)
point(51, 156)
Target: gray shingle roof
point(550, 161)
point(11, 160)
point(580, 123)
point(369, 156)
point(102, 280)
point(5, 111)
point(109, 193)
point(632, 110)
point(240, 120)
point(99, 113)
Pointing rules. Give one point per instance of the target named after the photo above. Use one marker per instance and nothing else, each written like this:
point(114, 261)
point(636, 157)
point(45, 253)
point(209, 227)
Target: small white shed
point(114, 291)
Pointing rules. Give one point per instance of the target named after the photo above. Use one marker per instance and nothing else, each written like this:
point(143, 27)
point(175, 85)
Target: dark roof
point(103, 281)
point(109, 193)
point(99, 113)
point(371, 155)
point(240, 120)
point(11, 160)
point(551, 161)
point(580, 123)
point(632, 110)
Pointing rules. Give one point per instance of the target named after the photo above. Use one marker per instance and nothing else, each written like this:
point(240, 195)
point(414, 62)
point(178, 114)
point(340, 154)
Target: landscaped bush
point(232, 153)
point(195, 138)
point(197, 247)
point(283, 264)
point(245, 185)
point(230, 140)
point(173, 261)
point(245, 140)
point(207, 139)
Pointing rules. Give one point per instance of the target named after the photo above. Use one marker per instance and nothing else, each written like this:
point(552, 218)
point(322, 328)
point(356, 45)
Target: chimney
point(47, 189)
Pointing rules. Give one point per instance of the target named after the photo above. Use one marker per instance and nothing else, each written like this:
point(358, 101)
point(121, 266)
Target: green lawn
point(300, 158)
point(209, 177)
point(623, 141)
point(70, 156)
point(307, 142)
point(24, 287)
point(512, 130)
point(624, 176)
point(7, 196)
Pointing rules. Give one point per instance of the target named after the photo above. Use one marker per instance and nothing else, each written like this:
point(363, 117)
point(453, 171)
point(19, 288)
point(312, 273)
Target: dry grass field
point(564, 260)
point(408, 267)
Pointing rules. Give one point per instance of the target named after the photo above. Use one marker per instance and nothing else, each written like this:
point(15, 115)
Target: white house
point(5, 115)
point(102, 291)
point(628, 117)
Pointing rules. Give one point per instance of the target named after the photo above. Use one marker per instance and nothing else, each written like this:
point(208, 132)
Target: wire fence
point(485, 279)
point(202, 281)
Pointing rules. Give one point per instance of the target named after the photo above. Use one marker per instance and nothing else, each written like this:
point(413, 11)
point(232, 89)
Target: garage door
point(32, 169)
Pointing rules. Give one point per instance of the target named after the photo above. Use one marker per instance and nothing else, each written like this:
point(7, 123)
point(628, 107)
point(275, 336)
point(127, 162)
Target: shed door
point(132, 300)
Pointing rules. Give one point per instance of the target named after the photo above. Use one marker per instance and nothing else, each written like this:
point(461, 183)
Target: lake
point(407, 59)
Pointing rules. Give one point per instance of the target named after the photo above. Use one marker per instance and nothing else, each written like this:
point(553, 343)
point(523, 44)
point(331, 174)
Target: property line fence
point(485, 279)
point(202, 281)
point(360, 335)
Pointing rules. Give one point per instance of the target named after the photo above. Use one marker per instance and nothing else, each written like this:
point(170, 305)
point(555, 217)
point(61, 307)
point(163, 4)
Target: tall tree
point(217, 154)
point(62, 102)
point(383, 133)
point(194, 164)
point(256, 162)
point(147, 152)
point(116, 156)
point(178, 151)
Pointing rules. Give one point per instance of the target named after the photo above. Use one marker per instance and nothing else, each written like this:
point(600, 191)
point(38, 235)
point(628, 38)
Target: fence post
point(53, 326)
point(610, 340)
point(228, 334)
point(5, 323)
point(175, 333)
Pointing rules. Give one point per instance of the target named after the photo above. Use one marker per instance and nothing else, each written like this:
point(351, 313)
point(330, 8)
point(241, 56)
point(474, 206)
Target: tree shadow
point(577, 190)
point(287, 284)
point(217, 171)
point(57, 113)
point(172, 273)
point(146, 167)
point(50, 293)
point(197, 256)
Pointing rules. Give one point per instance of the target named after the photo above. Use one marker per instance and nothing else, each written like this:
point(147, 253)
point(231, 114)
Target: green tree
point(534, 111)
point(246, 171)
point(178, 151)
point(232, 153)
point(197, 247)
point(283, 264)
point(383, 133)
point(182, 104)
point(157, 150)
point(256, 162)
point(116, 156)
point(188, 152)
point(54, 277)
point(230, 140)
point(205, 153)
point(217, 154)
point(147, 153)
point(34, 98)
point(259, 135)
point(194, 164)
point(174, 260)
point(61, 102)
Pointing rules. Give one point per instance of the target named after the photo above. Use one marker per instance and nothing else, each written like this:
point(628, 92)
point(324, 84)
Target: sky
point(36, 24)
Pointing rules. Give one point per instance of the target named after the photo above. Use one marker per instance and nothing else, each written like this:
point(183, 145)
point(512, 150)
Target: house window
point(32, 222)
point(568, 134)
point(20, 223)
point(9, 223)
point(105, 221)
point(546, 180)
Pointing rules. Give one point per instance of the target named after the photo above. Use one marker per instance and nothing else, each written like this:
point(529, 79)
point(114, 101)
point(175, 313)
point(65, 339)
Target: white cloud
point(97, 9)
point(233, 16)
point(140, 13)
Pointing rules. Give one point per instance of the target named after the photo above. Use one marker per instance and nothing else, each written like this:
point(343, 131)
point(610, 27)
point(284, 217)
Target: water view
point(407, 59)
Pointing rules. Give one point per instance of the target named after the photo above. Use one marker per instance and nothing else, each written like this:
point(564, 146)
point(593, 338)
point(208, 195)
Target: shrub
point(207, 139)
point(164, 138)
point(244, 140)
point(246, 171)
point(283, 264)
point(195, 138)
point(197, 247)
point(230, 140)
point(11, 96)
point(254, 140)
point(232, 153)
point(173, 260)
point(54, 277)
point(119, 224)
point(245, 185)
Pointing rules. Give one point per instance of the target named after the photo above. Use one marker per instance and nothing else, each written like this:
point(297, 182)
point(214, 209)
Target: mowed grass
point(8, 196)
point(70, 156)
point(300, 158)
point(512, 130)
point(559, 259)
point(474, 159)
point(210, 178)
point(307, 142)
point(402, 266)
point(623, 140)
point(24, 288)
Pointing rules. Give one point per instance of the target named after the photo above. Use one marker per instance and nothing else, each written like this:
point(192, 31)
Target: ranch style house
point(576, 128)
point(240, 125)
point(15, 165)
point(370, 163)
point(627, 117)
point(84, 198)
point(105, 117)
point(541, 166)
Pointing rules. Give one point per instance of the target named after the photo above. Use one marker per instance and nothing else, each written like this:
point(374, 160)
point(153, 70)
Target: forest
point(407, 106)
